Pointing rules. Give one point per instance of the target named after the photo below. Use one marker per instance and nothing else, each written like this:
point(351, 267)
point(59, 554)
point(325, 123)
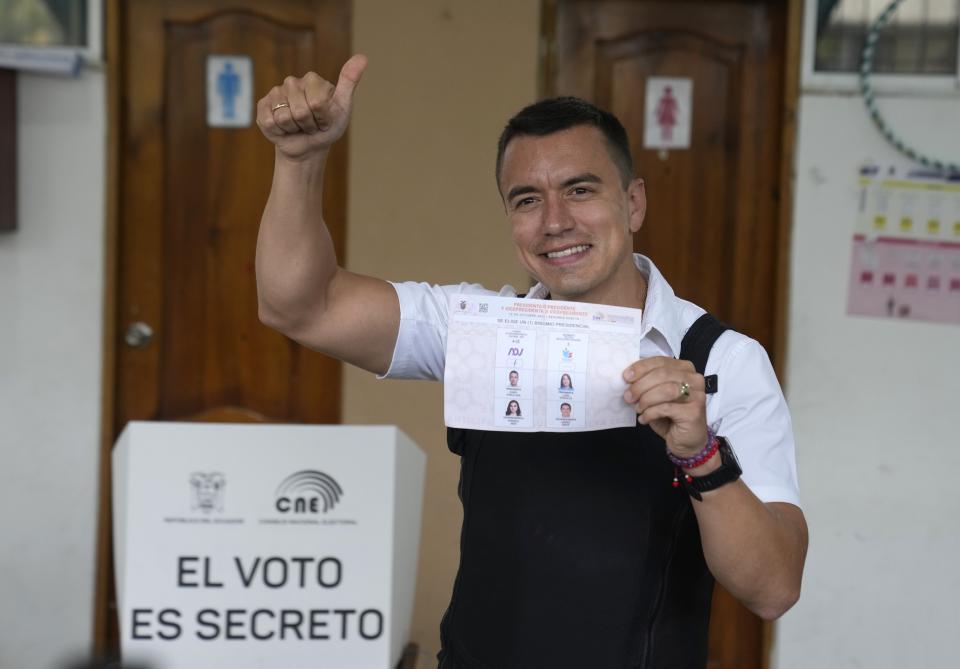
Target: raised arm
point(301, 288)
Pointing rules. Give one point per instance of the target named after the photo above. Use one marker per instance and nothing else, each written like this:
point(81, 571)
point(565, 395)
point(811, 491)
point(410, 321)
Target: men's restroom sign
point(229, 91)
point(669, 103)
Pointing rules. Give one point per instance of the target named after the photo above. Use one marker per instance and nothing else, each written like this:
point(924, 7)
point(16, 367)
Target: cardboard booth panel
point(265, 545)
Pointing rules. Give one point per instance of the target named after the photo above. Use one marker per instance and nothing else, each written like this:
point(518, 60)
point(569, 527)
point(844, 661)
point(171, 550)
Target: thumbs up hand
point(305, 116)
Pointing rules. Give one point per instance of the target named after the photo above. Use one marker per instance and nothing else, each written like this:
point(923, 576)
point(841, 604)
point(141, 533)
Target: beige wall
point(444, 76)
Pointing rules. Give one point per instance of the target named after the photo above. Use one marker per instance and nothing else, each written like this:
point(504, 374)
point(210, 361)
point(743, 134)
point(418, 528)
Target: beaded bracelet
point(696, 460)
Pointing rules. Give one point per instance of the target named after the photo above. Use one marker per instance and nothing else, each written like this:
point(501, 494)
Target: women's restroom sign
point(669, 103)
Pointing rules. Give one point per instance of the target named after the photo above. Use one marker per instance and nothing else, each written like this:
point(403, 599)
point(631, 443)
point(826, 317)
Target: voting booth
point(255, 546)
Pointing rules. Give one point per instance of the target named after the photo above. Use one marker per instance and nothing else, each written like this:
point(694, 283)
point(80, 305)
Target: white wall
point(51, 296)
point(874, 406)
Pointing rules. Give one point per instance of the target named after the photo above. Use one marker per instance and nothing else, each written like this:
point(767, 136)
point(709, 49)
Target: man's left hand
point(669, 396)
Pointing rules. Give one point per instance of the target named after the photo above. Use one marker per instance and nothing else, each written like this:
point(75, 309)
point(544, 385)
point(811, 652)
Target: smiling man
point(592, 549)
point(572, 201)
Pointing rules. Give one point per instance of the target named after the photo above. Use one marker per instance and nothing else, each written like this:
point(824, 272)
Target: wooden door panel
point(711, 222)
point(712, 219)
point(692, 197)
point(214, 180)
point(195, 194)
point(189, 205)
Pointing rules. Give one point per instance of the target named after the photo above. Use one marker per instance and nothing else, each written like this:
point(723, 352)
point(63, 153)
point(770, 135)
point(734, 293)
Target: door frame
point(788, 138)
point(104, 541)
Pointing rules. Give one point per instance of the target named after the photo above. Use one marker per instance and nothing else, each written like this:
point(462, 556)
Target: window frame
point(849, 82)
point(91, 53)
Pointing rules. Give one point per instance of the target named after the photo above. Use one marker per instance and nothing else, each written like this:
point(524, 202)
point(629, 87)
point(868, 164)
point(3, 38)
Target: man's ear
point(637, 196)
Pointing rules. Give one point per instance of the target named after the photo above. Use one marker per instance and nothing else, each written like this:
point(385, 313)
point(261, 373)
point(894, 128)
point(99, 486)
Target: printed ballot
point(538, 365)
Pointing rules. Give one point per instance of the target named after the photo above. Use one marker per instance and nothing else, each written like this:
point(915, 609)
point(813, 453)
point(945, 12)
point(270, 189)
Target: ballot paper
point(524, 365)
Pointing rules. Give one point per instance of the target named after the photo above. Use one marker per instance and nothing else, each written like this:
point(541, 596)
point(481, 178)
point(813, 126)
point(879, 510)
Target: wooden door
point(713, 221)
point(189, 199)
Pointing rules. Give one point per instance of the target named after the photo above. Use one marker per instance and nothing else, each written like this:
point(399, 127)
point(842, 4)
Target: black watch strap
point(728, 472)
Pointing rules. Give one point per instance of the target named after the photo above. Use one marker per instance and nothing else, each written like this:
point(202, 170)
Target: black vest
point(576, 551)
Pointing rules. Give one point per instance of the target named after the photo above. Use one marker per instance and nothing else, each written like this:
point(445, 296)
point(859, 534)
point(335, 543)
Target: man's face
point(565, 410)
point(572, 220)
point(514, 377)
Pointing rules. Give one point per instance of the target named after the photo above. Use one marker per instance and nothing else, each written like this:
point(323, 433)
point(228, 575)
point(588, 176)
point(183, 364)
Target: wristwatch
point(728, 472)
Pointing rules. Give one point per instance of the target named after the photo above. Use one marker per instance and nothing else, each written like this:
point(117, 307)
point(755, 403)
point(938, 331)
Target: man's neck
point(629, 289)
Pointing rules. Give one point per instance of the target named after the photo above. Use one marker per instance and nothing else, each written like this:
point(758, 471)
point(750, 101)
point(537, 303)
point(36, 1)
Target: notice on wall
point(905, 255)
point(524, 365)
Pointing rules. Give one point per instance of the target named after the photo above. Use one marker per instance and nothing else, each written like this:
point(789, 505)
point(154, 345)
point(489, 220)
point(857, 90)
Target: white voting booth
point(243, 546)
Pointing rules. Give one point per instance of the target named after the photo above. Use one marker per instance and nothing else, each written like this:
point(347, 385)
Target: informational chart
point(905, 255)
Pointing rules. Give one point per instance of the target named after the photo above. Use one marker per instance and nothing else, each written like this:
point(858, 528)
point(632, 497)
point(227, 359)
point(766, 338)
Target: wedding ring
point(684, 391)
point(280, 105)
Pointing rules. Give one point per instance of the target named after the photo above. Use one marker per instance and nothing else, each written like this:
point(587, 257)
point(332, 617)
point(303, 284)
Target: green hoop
point(869, 99)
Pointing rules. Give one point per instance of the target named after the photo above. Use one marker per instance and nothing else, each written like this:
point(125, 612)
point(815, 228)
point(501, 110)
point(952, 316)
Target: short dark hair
point(555, 114)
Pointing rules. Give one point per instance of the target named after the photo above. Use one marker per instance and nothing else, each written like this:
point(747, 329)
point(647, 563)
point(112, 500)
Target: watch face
point(727, 451)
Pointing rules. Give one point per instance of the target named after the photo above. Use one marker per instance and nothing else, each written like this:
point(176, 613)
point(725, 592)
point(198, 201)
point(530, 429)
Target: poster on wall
point(905, 252)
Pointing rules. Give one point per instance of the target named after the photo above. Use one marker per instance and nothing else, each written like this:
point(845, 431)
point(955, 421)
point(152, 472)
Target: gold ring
point(684, 391)
point(280, 105)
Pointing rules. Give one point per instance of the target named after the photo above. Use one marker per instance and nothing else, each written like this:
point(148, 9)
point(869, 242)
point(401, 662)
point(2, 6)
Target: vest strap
point(696, 346)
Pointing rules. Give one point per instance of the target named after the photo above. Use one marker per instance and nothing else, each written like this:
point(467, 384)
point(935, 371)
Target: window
point(44, 22)
point(919, 43)
point(920, 39)
point(46, 35)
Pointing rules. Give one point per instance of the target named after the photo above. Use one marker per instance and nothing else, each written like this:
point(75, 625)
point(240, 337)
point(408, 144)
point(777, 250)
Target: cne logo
point(308, 491)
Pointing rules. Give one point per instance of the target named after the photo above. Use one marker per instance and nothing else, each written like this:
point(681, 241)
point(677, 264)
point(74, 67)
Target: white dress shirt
point(748, 407)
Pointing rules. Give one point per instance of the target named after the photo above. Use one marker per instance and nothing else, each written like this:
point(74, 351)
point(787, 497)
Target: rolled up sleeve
point(421, 345)
point(751, 412)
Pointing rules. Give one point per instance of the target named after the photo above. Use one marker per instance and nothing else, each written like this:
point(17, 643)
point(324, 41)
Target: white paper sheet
point(523, 365)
